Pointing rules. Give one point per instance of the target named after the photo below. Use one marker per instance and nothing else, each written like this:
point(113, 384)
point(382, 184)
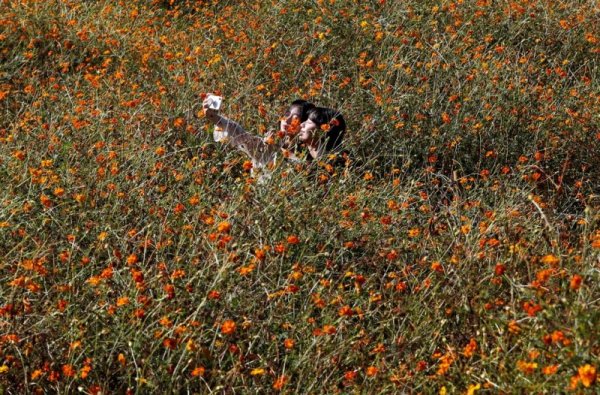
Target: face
point(290, 123)
point(307, 130)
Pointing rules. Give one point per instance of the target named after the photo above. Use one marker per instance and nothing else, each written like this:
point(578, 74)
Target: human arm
point(261, 151)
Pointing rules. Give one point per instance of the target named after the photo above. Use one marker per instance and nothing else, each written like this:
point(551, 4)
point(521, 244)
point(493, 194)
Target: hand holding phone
point(213, 102)
point(210, 106)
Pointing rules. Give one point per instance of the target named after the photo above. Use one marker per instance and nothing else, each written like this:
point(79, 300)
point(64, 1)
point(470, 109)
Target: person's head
point(296, 113)
point(323, 126)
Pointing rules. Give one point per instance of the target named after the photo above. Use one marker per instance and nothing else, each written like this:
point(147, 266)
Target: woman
point(322, 132)
point(320, 129)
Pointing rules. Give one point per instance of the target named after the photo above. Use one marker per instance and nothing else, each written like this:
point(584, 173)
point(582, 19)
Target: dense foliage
point(459, 252)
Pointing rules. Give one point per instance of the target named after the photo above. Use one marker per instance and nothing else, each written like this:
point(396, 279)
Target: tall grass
point(458, 253)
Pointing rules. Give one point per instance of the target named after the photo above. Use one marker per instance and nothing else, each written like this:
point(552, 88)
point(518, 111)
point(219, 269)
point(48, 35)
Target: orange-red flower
point(289, 343)
point(20, 155)
point(293, 239)
point(280, 382)
point(214, 294)
point(371, 371)
point(527, 367)
point(68, 370)
point(350, 375)
point(587, 375)
point(228, 327)
point(198, 371)
point(470, 348)
point(45, 200)
point(224, 227)
point(132, 259)
point(329, 329)
point(550, 370)
point(575, 282)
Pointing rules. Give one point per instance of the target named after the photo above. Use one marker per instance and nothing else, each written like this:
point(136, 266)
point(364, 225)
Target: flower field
point(459, 252)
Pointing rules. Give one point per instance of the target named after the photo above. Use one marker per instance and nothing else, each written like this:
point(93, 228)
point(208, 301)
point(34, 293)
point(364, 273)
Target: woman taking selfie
point(320, 130)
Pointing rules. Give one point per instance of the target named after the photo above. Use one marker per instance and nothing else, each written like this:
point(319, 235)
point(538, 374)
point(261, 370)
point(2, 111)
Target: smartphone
point(214, 102)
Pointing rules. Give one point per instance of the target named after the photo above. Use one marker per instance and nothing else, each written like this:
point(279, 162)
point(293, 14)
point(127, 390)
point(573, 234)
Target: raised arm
point(233, 134)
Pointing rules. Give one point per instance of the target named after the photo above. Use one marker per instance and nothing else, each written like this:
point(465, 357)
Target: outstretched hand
point(210, 113)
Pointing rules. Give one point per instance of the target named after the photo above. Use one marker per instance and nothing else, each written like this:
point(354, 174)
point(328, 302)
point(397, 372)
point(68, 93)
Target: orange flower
point(446, 361)
point(170, 343)
point(85, 371)
point(437, 267)
point(293, 126)
point(62, 305)
point(166, 322)
point(228, 327)
point(371, 371)
point(329, 329)
point(289, 343)
point(446, 118)
point(132, 259)
point(543, 275)
point(170, 290)
point(280, 248)
point(247, 166)
point(414, 232)
point(499, 269)
point(245, 270)
point(224, 227)
point(550, 260)
point(527, 367)
point(45, 200)
point(513, 327)
point(346, 311)
point(257, 372)
point(531, 308)
point(559, 336)
point(68, 370)
point(550, 370)
point(280, 382)
point(179, 122)
point(576, 281)
point(470, 348)
point(350, 375)
point(36, 374)
point(122, 301)
point(20, 155)
point(214, 294)
point(587, 374)
point(293, 239)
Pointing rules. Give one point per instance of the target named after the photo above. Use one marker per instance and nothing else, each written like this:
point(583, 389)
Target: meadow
point(458, 253)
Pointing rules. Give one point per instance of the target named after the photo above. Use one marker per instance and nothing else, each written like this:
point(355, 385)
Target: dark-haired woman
point(300, 122)
point(322, 132)
point(265, 151)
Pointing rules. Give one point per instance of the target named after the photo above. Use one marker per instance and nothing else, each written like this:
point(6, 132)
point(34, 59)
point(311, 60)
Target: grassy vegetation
point(459, 254)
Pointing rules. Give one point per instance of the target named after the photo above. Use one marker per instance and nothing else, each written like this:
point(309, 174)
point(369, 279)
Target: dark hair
point(305, 108)
point(337, 126)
